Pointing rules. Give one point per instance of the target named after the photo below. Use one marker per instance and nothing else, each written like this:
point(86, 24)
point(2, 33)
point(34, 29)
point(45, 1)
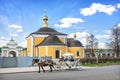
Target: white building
point(11, 50)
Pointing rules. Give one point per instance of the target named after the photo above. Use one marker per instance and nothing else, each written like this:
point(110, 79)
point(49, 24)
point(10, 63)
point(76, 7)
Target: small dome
point(74, 35)
point(45, 18)
point(75, 43)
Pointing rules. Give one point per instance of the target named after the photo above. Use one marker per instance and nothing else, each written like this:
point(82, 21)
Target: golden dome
point(74, 35)
point(45, 18)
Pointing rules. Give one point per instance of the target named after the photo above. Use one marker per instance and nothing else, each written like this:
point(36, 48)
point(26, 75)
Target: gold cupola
point(45, 19)
point(74, 35)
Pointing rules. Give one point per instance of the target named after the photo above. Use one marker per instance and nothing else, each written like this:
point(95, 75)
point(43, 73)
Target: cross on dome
point(45, 19)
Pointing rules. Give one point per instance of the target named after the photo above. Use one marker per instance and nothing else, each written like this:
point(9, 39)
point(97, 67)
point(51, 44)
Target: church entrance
point(12, 54)
point(57, 54)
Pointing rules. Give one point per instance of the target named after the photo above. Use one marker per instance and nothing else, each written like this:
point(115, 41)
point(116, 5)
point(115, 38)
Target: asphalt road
point(99, 73)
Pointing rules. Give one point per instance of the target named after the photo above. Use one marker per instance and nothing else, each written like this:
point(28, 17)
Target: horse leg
point(39, 70)
point(53, 67)
point(33, 63)
point(50, 68)
point(43, 69)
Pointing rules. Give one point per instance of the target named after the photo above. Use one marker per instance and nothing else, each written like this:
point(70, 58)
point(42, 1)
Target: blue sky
point(19, 18)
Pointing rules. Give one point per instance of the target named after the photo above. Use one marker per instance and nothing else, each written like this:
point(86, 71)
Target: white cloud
point(102, 46)
point(2, 38)
point(14, 35)
point(68, 22)
point(15, 26)
point(3, 20)
point(118, 25)
point(118, 5)
point(98, 7)
point(108, 31)
point(19, 30)
point(81, 36)
point(105, 36)
point(2, 43)
point(23, 44)
point(15, 29)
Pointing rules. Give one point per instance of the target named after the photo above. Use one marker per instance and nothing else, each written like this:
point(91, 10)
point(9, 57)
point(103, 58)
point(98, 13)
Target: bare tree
point(115, 39)
point(92, 43)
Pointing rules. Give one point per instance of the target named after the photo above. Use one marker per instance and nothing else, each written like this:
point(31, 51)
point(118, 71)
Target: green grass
point(101, 64)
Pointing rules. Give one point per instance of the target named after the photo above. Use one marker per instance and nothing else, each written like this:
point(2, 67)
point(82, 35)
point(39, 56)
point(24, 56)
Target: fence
point(100, 60)
point(18, 61)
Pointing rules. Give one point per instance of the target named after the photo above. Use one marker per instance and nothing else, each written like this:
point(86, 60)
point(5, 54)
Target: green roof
point(19, 47)
point(5, 47)
point(24, 49)
point(0, 50)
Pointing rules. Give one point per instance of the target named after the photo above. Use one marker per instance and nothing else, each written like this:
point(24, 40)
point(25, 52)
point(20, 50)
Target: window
point(78, 53)
point(57, 54)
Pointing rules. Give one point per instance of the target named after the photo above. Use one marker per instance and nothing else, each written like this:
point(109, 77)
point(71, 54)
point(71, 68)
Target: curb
point(27, 69)
point(18, 70)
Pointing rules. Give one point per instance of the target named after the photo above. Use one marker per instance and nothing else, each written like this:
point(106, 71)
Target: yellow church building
point(47, 41)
